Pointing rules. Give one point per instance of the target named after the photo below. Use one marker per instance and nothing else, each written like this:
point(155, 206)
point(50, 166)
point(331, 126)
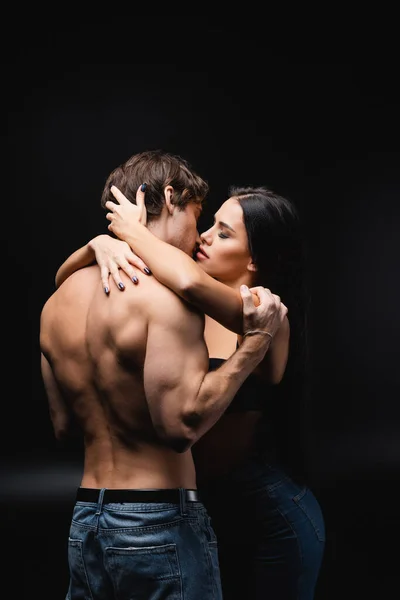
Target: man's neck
point(158, 229)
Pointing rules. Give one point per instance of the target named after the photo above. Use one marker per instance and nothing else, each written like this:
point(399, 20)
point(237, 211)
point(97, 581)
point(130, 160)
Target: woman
point(249, 466)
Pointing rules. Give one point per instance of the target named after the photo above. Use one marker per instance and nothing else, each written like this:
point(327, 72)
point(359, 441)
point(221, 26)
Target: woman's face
point(224, 252)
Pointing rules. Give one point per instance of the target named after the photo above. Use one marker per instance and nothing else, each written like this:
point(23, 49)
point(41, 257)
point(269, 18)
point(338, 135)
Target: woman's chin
point(203, 266)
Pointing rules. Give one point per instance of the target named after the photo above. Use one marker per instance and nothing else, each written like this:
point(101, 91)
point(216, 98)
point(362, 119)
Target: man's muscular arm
point(185, 400)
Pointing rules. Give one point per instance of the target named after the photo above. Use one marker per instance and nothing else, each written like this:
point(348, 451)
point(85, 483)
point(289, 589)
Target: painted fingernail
point(143, 187)
point(135, 279)
point(147, 271)
point(107, 291)
point(121, 285)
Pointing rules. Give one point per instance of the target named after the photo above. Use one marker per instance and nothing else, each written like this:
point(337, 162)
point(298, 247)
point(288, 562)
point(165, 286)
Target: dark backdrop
point(319, 123)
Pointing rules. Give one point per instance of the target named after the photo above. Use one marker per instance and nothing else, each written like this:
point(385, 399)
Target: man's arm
point(185, 399)
point(61, 416)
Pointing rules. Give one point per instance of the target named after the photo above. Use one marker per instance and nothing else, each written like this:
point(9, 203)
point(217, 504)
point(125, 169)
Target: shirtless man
point(130, 371)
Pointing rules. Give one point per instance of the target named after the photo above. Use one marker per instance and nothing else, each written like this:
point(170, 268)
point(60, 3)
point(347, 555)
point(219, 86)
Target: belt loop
point(182, 501)
point(99, 507)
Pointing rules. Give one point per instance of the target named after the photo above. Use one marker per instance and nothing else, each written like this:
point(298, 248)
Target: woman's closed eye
point(222, 227)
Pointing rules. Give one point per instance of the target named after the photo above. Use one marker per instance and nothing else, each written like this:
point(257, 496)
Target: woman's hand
point(113, 255)
point(125, 215)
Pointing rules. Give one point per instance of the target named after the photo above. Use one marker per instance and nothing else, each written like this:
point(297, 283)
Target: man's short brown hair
point(157, 169)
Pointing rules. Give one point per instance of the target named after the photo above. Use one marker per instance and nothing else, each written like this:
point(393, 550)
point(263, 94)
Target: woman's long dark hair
point(277, 246)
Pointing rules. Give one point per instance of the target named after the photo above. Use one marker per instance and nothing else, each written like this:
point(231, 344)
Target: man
point(130, 371)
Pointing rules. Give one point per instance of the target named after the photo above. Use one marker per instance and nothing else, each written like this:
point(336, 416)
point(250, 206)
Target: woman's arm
point(184, 278)
point(104, 250)
point(80, 258)
point(272, 367)
point(170, 266)
point(173, 267)
point(178, 271)
point(86, 256)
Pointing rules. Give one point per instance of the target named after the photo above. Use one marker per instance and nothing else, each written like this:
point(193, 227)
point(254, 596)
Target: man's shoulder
point(161, 302)
point(74, 291)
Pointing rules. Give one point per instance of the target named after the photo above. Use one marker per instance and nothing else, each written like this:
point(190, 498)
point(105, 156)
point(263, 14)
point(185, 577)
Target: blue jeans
point(270, 532)
point(132, 551)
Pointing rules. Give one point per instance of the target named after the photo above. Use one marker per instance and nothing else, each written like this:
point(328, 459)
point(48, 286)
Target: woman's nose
point(205, 237)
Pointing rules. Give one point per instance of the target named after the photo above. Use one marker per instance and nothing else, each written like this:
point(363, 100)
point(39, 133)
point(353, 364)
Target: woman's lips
point(200, 253)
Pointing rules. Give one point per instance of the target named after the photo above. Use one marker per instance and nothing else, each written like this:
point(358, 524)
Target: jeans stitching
point(318, 533)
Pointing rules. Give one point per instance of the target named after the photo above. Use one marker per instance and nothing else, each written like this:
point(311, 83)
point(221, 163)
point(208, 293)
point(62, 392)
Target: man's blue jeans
point(136, 551)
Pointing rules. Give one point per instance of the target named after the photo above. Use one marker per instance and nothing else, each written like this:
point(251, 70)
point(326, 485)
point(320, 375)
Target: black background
point(315, 119)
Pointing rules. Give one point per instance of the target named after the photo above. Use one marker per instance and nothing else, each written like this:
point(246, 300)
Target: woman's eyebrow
point(225, 225)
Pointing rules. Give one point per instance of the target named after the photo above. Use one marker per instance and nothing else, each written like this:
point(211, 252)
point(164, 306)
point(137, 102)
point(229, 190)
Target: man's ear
point(168, 195)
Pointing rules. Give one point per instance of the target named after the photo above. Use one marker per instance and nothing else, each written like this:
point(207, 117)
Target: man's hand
point(266, 316)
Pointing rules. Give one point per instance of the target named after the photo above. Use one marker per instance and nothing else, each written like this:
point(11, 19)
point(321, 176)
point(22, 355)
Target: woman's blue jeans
point(270, 532)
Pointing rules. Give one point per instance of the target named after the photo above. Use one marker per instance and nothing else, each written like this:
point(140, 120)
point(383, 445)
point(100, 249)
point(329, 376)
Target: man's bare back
point(118, 360)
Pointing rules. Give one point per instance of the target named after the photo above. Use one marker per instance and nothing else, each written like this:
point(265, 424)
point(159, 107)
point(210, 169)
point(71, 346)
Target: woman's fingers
point(105, 274)
point(140, 196)
point(125, 264)
point(114, 271)
point(140, 203)
point(112, 206)
point(118, 210)
point(118, 195)
point(137, 262)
